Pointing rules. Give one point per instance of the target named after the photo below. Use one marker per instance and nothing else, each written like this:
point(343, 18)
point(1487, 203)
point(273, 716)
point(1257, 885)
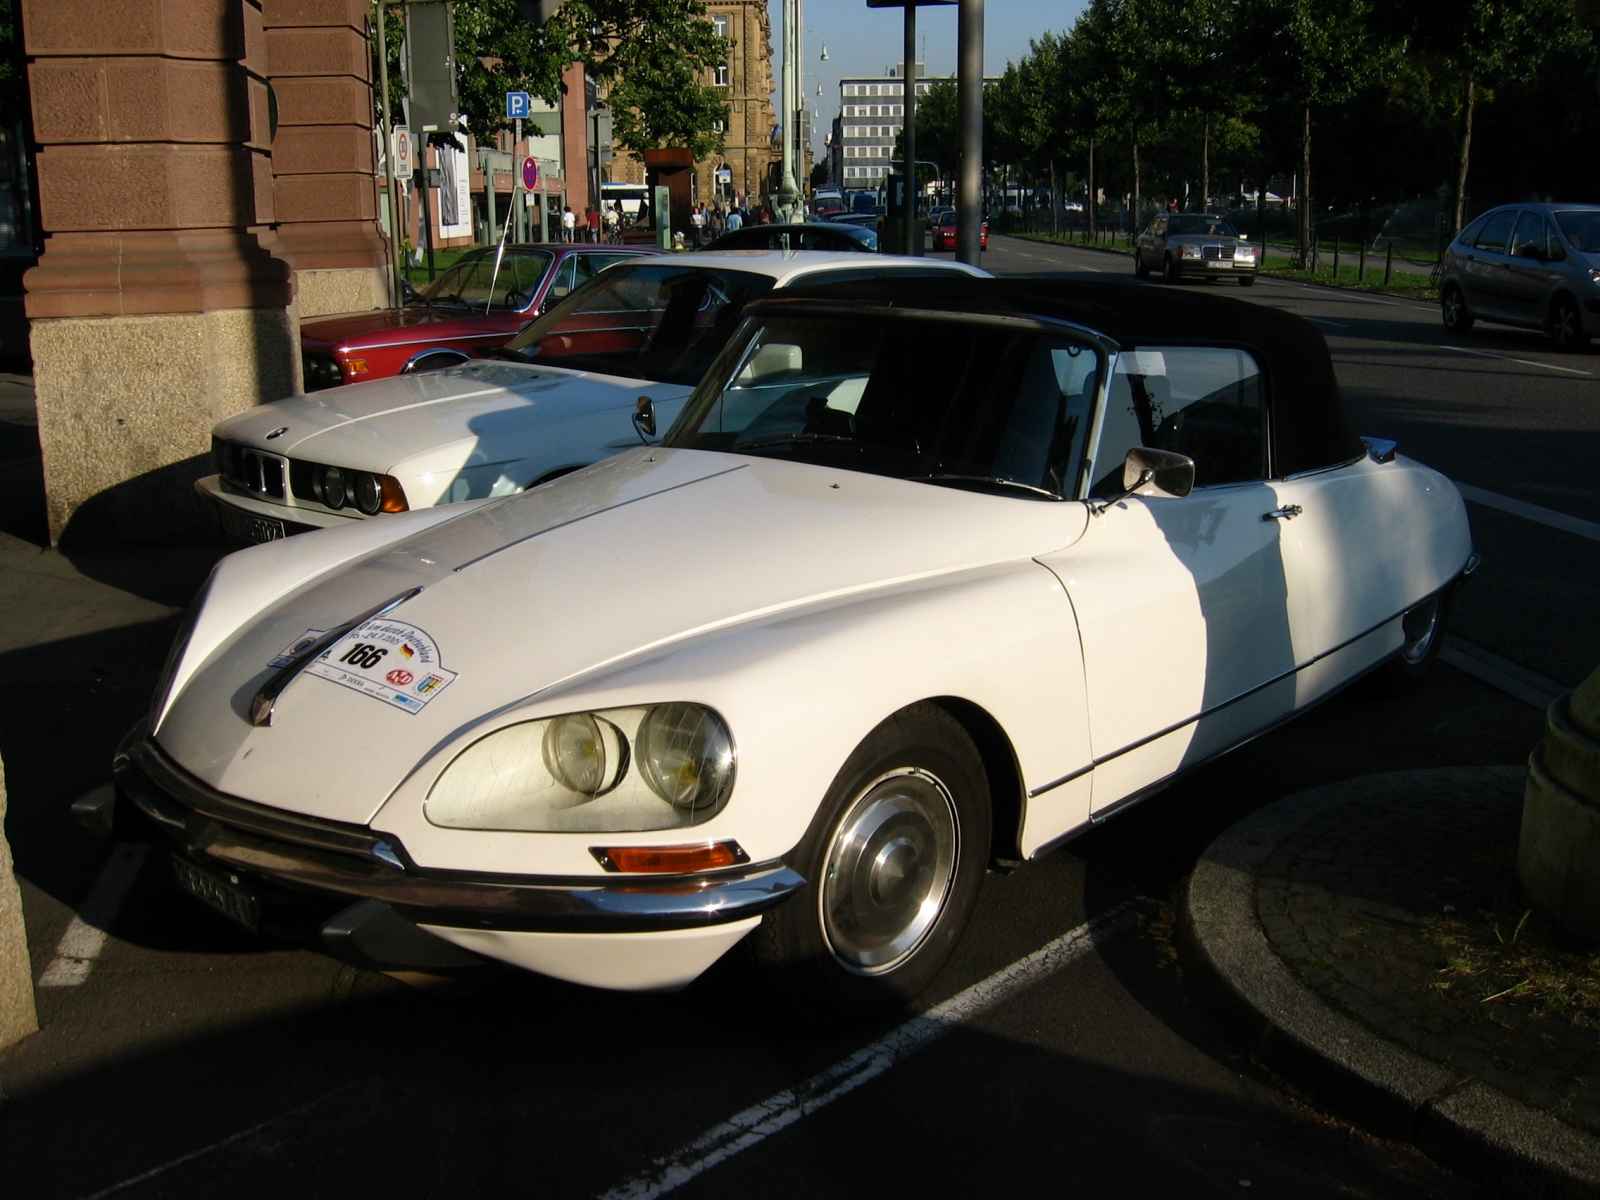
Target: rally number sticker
point(387, 660)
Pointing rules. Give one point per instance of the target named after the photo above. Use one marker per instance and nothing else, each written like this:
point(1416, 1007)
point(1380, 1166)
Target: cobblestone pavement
point(1359, 903)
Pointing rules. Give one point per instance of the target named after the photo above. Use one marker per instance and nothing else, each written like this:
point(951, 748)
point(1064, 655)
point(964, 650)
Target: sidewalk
point(1367, 939)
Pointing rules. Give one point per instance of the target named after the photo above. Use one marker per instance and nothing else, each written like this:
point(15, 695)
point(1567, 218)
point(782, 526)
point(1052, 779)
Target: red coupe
point(467, 311)
point(944, 233)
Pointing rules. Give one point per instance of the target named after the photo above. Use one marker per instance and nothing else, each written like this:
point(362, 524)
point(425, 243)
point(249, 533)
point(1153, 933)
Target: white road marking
point(227, 1141)
point(1526, 362)
point(1531, 512)
point(1500, 673)
point(1325, 321)
point(760, 1121)
point(81, 944)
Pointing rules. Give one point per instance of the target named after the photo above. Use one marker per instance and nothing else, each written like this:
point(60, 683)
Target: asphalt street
point(192, 1060)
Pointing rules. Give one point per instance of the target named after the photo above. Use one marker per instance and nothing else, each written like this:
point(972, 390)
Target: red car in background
point(944, 233)
point(455, 317)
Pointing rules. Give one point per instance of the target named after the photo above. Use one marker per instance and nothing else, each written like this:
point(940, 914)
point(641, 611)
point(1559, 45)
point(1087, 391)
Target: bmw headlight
point(659, 767)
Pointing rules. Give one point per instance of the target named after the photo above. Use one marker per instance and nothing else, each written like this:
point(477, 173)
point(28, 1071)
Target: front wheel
point(1453, 310)
point(1247, 281)
point(1169, 269)
point(1140, 271)
point(893, 862)
point(1566, 324)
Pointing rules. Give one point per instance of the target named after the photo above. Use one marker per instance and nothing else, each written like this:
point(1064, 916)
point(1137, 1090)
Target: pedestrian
point(569, 222)
point(766, 215)
point(718, 222)
point(697, 219)
point(594, 224)
point(612, 219)
point(735, 221)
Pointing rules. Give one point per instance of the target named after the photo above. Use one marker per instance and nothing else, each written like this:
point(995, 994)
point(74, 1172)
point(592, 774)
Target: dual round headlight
point(337, 487)
point(660, 767)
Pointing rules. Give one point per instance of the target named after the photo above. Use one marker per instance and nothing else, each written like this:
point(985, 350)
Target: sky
point(863, 41)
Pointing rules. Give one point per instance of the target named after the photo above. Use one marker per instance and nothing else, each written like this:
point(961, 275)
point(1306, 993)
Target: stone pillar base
point(1558, 851)
point(321, 292)
point(17, 1015)
point(126, 405)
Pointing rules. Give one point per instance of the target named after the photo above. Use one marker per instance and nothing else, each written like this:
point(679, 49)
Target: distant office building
point(871, 112)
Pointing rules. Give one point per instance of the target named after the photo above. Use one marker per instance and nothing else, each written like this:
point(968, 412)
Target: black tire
point(1424, 630)
point(1566, 324)
point(1169, 270)
point(1140, 271)
point(1247, 281)
point(915, 794)
point(1453, 310)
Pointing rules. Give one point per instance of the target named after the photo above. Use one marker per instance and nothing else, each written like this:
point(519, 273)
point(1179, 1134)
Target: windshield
point(1186, 223)
point(1582, 229)
point(469, 280)
point(655, 322)
point(995, 409)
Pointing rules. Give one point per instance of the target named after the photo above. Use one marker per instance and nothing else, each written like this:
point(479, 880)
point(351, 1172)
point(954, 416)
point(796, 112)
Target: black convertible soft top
point(1310, 428)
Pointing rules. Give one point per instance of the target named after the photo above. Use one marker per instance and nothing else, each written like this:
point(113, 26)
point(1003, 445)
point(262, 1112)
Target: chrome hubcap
point(1419, 626)
point(889, 870)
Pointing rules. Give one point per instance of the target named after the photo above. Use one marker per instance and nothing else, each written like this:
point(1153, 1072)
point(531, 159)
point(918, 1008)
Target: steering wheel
point(517, 301)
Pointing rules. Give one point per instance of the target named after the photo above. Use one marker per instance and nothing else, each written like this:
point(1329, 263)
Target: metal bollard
point(1361, 263)
point(1336, 260)
point(1388, 265)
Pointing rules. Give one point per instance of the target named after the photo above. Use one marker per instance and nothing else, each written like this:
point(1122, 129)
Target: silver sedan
point(1180, 244)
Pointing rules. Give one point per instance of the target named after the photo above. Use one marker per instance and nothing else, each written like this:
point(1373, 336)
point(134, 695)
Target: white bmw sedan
point(562, 394)
point(925, 578)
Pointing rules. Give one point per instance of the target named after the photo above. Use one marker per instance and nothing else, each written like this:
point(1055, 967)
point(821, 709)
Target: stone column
point(325, 199)
point(155, 311)
point(17, 1016)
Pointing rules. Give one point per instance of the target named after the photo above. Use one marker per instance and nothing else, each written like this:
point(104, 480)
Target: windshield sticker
point(299, 646)
point(387, 660)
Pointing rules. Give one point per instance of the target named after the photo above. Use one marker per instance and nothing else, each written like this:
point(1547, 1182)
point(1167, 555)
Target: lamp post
point(911, 234)
point(786, 200)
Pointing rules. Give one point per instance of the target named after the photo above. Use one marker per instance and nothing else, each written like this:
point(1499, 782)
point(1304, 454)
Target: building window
point(719, 75)
point(720, 24)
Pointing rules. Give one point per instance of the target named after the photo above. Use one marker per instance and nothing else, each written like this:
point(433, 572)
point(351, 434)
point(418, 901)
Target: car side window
point(1527, 239)
point(1496, 231)
point(1158, 227)
point(1206, 402)
point(1554, 250)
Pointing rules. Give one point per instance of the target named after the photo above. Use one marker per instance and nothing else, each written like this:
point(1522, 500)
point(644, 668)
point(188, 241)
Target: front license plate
point(219, 892)
point(249, 527)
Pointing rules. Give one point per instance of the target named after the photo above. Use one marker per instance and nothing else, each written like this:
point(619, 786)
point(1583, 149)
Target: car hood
point(384, 325)
point(519, 595)
point(372, 426)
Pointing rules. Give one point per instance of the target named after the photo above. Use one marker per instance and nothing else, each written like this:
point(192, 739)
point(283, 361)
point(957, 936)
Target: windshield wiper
point(988, 480)
point(779, 438)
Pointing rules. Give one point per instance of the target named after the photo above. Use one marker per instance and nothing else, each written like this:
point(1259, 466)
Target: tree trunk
point(1205, 163)
point(1091, 209)
point(1305, 189)
point(1133, 213)
point(1466, 155)
point(1055, 203)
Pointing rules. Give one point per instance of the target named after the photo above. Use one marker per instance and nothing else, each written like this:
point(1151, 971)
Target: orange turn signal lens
point(356, 366)
point(670, 860)
point(394, 496)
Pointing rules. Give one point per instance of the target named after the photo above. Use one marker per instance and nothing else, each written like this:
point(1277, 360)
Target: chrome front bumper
point(341, 862)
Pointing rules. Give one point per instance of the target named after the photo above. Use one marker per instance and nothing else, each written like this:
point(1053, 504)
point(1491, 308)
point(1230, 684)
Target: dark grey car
point(1191, 244)
point(1535, 265)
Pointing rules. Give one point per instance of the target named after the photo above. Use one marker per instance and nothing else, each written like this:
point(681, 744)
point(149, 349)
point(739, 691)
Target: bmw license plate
point(249, 527)
point(220, 892)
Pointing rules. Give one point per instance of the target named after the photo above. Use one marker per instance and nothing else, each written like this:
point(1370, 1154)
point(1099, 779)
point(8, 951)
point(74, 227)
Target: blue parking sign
point(516, 105)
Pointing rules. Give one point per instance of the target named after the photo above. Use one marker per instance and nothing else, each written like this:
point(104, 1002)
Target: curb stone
point(1460, 1122)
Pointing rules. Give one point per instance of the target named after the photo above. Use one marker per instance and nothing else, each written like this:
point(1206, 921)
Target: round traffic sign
point(530, 173)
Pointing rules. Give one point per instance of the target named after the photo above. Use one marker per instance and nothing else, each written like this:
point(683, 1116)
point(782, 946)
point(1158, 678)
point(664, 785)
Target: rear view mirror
point(1147, 472)
point(644, 418)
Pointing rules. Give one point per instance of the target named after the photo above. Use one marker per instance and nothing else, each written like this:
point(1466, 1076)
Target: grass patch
point(442, 260)
point(1415, 287)
point(1494, 947)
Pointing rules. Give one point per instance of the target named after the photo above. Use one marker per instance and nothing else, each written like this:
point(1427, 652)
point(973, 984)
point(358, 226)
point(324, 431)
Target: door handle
point(1287, 513)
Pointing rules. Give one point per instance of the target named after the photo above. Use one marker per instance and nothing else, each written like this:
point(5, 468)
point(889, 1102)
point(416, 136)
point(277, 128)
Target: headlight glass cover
point(664, 766)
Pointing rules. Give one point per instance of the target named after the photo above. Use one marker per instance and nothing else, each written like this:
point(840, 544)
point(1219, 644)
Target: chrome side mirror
point(644, 419)
point(1150, 472)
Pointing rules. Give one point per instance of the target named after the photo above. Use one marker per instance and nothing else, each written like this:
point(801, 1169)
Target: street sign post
point(405, 161)
point(516, 106)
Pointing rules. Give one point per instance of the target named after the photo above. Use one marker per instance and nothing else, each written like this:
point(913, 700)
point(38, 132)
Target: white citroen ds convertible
point(924, 578)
